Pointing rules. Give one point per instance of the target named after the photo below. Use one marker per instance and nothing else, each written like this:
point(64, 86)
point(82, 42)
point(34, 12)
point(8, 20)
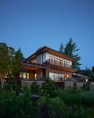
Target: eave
point(51, 51)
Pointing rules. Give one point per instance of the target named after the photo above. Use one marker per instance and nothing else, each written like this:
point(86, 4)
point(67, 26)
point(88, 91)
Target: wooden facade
point(46, 62)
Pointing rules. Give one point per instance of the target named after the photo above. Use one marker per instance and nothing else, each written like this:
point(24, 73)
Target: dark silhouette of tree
point(18, 57)
point(9, 62)
point(61, 48)
point(93, 69)
point(70, 50)
point(87, 72)
point(4, 62)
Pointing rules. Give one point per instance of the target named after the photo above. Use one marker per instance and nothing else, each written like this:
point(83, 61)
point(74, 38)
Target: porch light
point(67, 75)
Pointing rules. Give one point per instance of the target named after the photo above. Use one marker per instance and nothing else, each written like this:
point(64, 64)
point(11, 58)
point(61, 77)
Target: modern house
point(47, 62)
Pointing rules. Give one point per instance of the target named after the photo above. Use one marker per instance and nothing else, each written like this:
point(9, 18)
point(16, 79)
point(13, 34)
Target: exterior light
point(67, 75)
point(35, 76)
point(86, 80)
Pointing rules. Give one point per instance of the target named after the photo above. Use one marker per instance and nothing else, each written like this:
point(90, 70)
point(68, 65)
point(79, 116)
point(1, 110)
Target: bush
point(55, 107)
point(48, 88)
point(12, 84)
point(69, 96)
point(86, 86)
point(14, 106)
point(35, 89)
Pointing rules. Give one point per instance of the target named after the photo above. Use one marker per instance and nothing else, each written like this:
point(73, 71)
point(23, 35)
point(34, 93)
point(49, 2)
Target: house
point(47, 62)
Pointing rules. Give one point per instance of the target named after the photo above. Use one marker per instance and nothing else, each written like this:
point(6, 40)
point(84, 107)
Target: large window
point(56, 76)
point(27, 75)
point(24, 75)
point(59, 61)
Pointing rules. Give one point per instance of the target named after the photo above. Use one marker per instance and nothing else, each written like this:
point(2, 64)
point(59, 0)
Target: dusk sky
point(31, 24)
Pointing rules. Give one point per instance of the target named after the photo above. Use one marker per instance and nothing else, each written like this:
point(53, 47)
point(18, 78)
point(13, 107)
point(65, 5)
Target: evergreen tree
point(87, 72)
point(4, 62)
point(18, 57)
point(61, 48)
point(9, 62)
point(93, 69)
point(70, 50)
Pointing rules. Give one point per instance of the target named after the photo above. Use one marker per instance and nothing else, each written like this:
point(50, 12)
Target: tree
point(18, 57)
point(70, 50)
point(4, 62)
point(61, 48)
point(9, 62)
point(35, 89)
point(48, 88)
point(88, 72)
point(11, 53)
point(93, 69)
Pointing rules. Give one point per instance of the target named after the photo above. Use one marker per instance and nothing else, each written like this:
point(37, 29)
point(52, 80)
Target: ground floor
point(41, 74)
point(37, 72)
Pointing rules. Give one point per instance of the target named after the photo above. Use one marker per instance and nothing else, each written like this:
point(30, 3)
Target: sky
point(31, 24)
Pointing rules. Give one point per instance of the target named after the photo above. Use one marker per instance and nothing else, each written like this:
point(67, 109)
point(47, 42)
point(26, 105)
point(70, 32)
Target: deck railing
point(58, 62)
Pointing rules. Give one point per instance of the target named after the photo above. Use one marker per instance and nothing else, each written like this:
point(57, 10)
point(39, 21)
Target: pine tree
point(61, 48)
point(18, 57)
point(93, 69)
point(70, 50)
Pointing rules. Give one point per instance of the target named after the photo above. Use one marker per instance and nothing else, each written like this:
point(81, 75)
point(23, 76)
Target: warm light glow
point(21, 75)
point(24, 75)
point(35, 76)
point(86, 80)
point(67, 75)
point(27, 75)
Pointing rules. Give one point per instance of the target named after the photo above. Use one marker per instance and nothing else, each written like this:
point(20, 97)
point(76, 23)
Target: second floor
point(48, 55)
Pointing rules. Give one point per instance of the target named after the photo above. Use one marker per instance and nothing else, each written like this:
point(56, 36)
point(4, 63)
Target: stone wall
point(92, 86)
point(29, 83)
point(71, 84)
point(67, 84)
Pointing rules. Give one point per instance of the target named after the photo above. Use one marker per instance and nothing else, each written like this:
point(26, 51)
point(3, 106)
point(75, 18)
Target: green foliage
point(93, 69)
point(88, 72)
point(11, 84)
point(69, 96)
point(14, 106)
point(42, 100)
point(74, 86)
point(86, 86)
point(48, 88)
point(18, 57)
point(87, 98)
point(35, 89)
point(9, 62)
point(61, 48)
point(4, 61)
point(81, 113)
point(70, 50)
point(55, 107)
point(61, 104)
point(64, 95)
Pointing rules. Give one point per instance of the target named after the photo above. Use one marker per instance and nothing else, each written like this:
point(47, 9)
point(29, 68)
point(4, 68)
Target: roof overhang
point(32, 66)
point(51, 51)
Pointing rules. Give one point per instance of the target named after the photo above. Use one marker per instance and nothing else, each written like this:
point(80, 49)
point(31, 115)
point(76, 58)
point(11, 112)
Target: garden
point(46, 101)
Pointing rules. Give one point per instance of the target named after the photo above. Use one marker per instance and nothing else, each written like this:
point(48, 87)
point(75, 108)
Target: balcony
point(58, 62)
